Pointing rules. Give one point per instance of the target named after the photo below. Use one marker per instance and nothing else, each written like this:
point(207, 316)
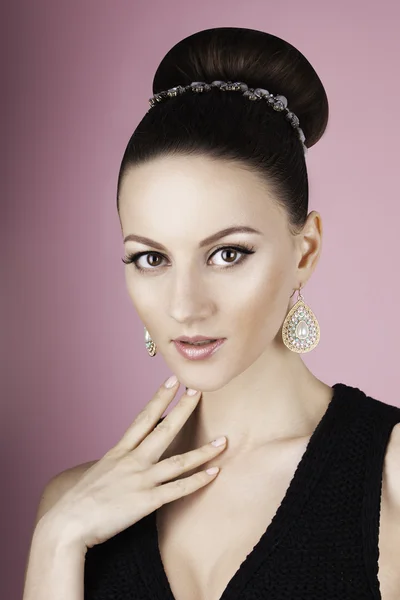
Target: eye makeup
point(243, 249)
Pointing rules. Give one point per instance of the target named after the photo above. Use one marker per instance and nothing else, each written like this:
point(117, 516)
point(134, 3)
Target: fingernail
point(212, 470)
point(171, 381)
point(219, 441)
point(191, 392)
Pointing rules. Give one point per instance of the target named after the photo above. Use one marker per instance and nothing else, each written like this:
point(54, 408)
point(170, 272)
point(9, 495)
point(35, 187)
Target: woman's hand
point(129, 482)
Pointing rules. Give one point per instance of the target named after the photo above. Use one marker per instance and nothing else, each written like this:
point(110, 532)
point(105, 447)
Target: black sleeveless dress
point(322, 543)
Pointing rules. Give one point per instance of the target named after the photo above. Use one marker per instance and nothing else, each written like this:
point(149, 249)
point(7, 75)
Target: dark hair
point(228, 126)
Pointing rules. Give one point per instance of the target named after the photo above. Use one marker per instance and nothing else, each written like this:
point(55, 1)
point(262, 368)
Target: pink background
point(78, 79)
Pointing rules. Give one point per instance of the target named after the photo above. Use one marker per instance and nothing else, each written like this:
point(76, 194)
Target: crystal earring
point(300, 330)
point(150, 345)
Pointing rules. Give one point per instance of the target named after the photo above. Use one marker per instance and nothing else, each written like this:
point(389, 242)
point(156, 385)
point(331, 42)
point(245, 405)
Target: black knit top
point(322, 543)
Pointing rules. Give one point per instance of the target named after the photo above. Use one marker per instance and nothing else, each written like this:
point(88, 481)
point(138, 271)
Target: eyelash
point(243, 249)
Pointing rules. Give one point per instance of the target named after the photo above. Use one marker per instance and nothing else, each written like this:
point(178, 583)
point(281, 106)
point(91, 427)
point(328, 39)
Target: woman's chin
point(208, 384)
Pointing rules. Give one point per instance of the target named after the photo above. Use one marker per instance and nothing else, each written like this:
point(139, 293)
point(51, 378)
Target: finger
point(182, 487)
point(174, 466)
point(155, 444)
point(148, 417)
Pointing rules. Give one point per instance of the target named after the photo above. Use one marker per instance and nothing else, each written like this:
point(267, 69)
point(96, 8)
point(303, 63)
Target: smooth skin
point(124, 486)
point(254, 390)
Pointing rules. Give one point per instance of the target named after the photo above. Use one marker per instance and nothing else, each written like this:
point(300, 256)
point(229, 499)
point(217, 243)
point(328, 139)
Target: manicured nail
point(219, 441)
point(171, 381)
point(191, 392)
point(212, 470)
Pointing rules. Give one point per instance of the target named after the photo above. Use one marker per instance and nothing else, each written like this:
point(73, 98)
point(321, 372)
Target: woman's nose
point(189, 300)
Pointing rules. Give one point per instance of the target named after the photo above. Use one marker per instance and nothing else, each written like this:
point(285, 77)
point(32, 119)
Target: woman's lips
point(195, 352)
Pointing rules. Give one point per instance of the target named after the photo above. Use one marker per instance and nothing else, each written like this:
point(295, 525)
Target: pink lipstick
point(194, 351)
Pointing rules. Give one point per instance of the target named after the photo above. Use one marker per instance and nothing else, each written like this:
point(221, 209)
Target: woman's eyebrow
point(208, 240)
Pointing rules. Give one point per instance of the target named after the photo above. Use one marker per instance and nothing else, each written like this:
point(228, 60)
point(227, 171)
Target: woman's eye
point(227, 255)
point(152, 260)
point(232, 255)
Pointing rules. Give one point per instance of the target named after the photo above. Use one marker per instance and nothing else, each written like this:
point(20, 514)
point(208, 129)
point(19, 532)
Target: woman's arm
point(55, 567)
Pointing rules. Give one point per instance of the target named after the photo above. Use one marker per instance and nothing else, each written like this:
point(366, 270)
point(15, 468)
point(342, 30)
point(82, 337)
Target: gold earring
point(150, 345)
point(300, 330)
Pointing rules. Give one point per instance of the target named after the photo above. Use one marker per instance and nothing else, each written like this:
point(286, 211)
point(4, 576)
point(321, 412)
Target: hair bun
point(257, 58)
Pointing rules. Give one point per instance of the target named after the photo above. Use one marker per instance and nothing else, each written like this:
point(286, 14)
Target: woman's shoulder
point(385, 412)
point(392, 467)
point(58, 485)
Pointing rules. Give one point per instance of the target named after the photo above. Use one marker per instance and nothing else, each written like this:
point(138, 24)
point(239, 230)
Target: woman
point(212, 199)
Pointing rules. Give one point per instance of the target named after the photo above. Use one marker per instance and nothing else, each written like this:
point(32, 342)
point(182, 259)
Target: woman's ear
point(309, 245)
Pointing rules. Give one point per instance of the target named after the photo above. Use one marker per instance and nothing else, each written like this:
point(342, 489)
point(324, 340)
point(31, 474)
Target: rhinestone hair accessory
point(277, 102)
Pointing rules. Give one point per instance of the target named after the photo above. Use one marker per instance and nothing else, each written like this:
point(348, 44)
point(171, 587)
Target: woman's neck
point(277, 397)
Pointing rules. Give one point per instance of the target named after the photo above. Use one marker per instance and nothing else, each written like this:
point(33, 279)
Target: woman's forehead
point(191, 189)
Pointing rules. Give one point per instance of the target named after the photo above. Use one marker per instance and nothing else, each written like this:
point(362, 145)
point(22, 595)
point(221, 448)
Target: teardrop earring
point(300, 330)
point(150, 345)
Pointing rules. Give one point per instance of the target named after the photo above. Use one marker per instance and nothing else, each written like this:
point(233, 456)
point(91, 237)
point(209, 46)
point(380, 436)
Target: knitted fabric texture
point(322, 543)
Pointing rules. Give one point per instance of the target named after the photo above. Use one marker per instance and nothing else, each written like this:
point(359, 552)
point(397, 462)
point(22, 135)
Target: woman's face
point(191, 287)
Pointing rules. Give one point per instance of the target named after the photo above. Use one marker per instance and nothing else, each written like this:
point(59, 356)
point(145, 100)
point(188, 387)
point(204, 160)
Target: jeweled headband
point(278, 103)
